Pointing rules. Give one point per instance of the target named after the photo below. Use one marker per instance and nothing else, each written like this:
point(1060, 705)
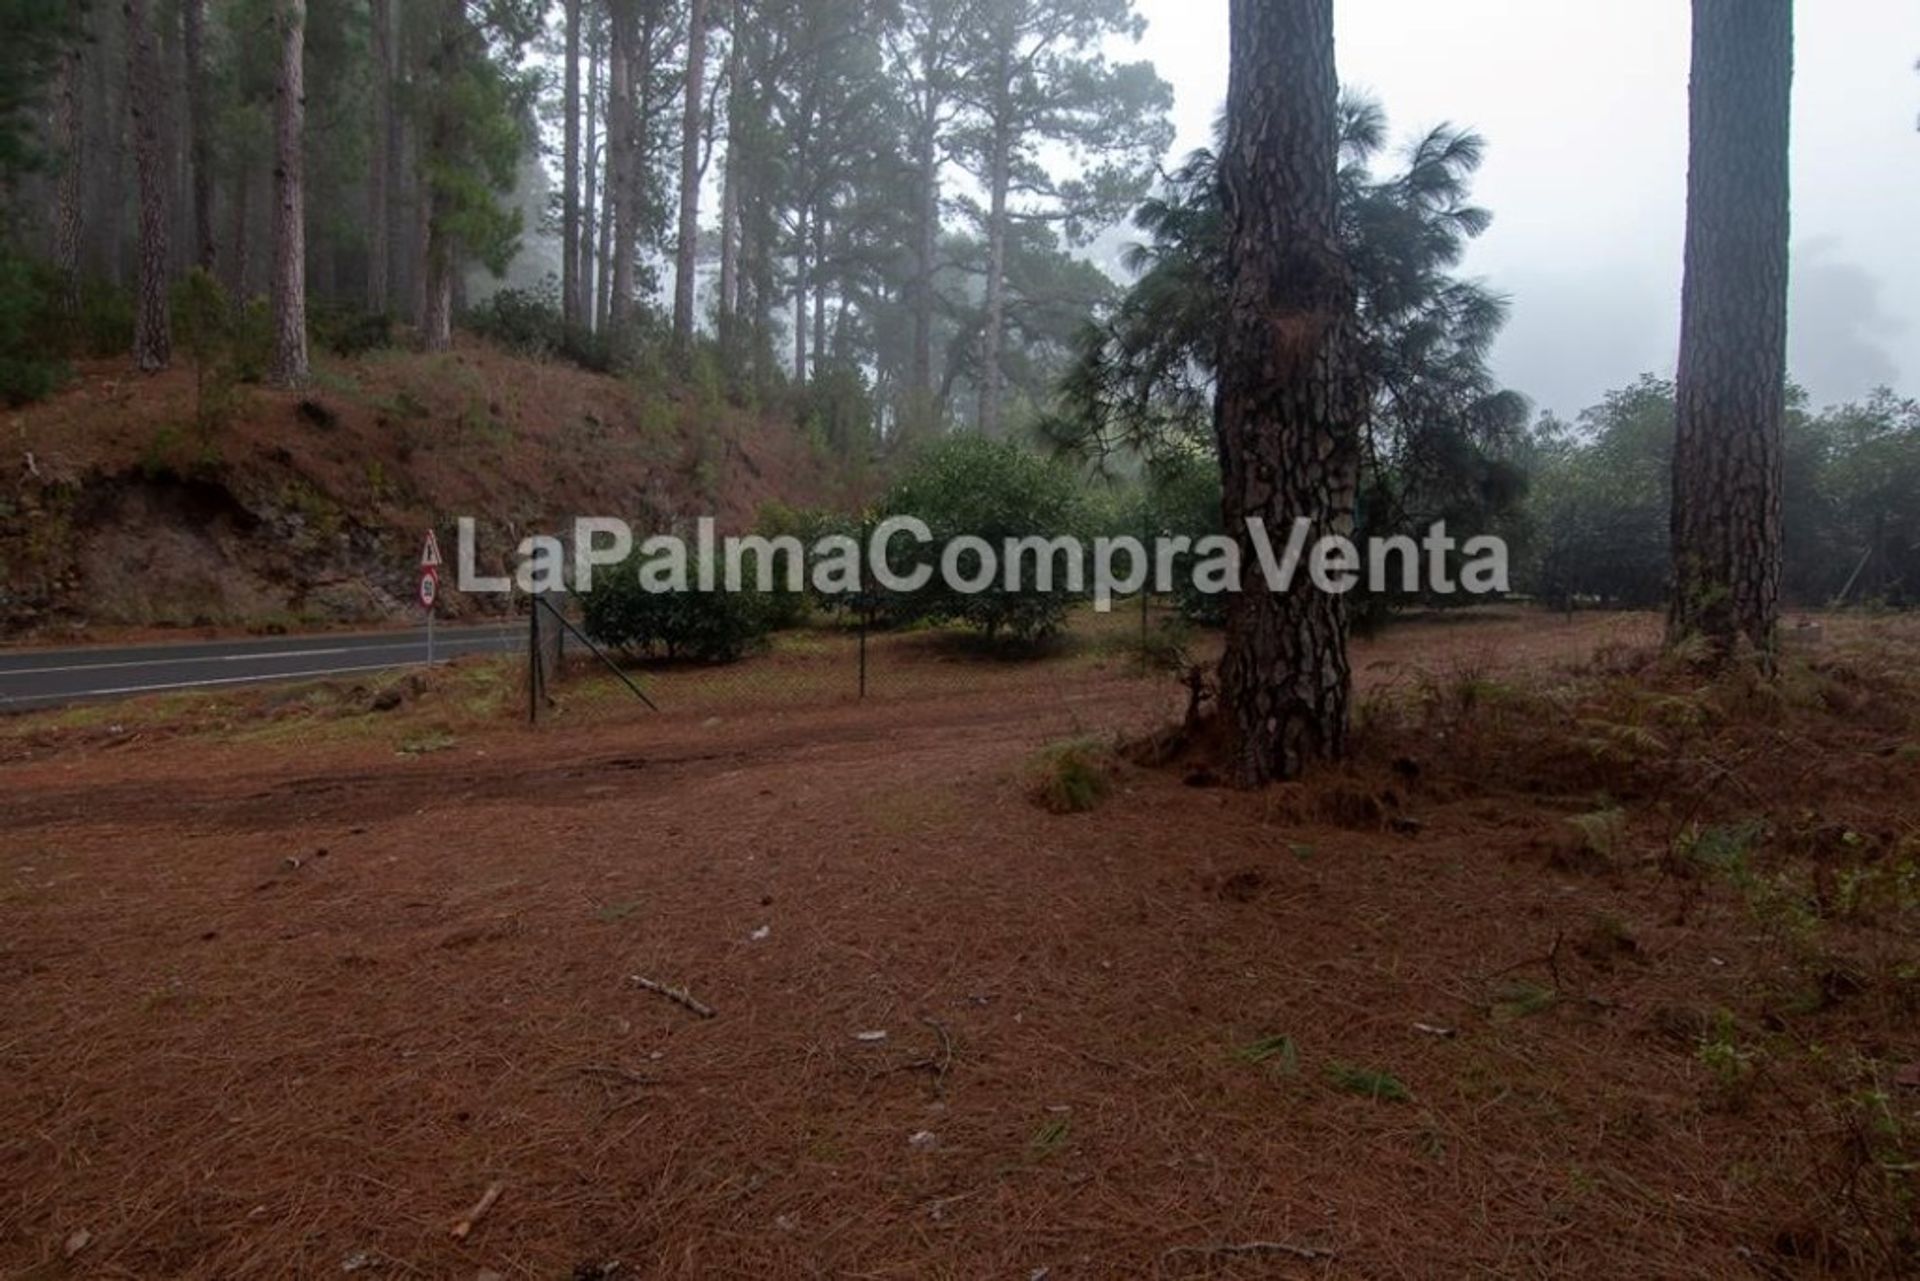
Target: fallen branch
point(1306, 1254)
point(678, 996)
point(463, 1228)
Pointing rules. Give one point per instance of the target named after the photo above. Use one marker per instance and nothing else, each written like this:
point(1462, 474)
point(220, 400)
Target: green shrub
point(529, 322)
point(1183, 500)
point(996, 491)
point(1072, 778)
point(709, 627)
point(839, 411)
point(203, 334)
point(348, 330)
point(808, 525)
point(250, 341)
point(30, 331)
point(104, 327)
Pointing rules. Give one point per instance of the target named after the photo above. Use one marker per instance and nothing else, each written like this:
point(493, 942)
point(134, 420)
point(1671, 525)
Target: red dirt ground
point(291, 1012)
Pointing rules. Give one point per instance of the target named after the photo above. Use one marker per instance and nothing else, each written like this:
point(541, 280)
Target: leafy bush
point(996, 491)
point(521, 320)
point(839, 411)
point(348, 330)
point(203, 332)
point(30, 364)
point(1073, 778)
point(104, 327)
point(708, 627)
point(530, 323)
point(1183, 501)
point(808, 525)
point(1601, 499)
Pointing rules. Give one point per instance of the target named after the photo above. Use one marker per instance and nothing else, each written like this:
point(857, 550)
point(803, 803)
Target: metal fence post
point(533, 662)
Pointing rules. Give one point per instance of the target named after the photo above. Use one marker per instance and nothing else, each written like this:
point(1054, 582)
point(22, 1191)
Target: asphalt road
point(32, 679)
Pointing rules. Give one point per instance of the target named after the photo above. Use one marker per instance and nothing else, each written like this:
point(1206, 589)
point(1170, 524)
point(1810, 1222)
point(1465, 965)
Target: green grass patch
point(1278, 1051)
point(1382, 1087)
point(1073, 778)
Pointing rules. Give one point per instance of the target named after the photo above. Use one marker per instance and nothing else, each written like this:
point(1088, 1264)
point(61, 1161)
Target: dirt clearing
point(1472, 1006)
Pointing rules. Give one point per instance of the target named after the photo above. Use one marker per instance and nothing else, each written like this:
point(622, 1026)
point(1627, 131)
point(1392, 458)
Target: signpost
point(430, 563)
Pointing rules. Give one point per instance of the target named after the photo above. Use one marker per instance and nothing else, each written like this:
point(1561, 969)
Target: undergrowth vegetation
point(1073, 777)
point(1777, 815)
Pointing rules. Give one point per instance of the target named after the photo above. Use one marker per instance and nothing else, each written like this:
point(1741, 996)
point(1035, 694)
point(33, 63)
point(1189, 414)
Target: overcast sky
point(1584, 108)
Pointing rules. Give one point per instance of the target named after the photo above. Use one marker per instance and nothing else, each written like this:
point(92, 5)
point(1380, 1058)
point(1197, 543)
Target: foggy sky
point(1584, 108)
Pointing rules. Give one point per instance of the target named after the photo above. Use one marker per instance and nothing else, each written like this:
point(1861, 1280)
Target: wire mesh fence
point(829, 662)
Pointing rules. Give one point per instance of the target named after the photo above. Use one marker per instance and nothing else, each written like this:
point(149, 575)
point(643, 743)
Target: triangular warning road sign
point(430, 554)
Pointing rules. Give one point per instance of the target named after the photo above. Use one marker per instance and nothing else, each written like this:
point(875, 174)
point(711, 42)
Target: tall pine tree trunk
point(819, 289)
point(993, 335)
point(688, 257)
point(199, 133)
point(729, 247)
point(588, 307)
point(570, 180)
point(801, 283)
point(290, 197)
point(1727, 458)
point(730, 229)
point(1290, 394)
point(152, 318)
point(69, 124)
point(622, 180)
point(380, 162)
point(927, 245)
point(239, 264)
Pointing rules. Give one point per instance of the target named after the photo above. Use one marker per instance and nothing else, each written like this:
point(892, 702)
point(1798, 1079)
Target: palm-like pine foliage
point(1143, 383)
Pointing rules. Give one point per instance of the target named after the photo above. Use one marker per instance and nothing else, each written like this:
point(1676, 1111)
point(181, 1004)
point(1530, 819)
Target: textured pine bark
point(152, 318)
point(622, 181)
point(1290, 394)
point(588, 307)
point(239, 245)
point(380, 160)
point(1727, 459)
point(688, 256)
point(570, 172)
point(290, 197)
point(729, 249)
point(926, 250)
point(69, 125)
point(993, 339)
point(801, 245)
point(199, 128)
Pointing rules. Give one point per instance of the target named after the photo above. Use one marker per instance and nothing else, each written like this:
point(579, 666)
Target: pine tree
point(1727, 459)
point(381, 158)
point(570, 165)
point(199, 130)
point(1290, 396)
point(152, 319)
point(1034, 76)
point(70, 137)
point(290, 198)
point(687, 251)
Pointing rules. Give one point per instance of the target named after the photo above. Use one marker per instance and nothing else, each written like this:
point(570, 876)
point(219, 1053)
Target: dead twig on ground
point(464, 1228)
point(610, 1070)
point(1204, 1253)
point(679, 996)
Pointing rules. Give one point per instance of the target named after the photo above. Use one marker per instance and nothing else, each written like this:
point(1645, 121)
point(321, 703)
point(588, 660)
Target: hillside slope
point(303, 509)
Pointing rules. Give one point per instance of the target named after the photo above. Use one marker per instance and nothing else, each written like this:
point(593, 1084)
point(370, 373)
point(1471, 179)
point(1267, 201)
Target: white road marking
point(264, 679)
point(268, 656)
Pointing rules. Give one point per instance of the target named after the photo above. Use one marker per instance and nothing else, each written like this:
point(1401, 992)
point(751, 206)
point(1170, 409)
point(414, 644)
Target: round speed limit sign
point(429, 589)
